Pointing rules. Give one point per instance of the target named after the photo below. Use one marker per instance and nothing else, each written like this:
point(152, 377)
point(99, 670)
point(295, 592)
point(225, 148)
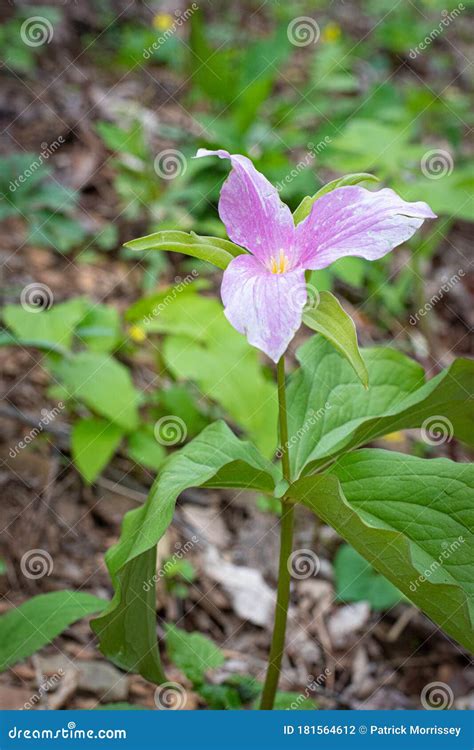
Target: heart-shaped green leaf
point(329, 413)
point(412, 519)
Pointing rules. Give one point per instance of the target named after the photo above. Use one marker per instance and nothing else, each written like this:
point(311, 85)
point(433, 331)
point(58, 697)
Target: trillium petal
point(355, 221)
point(251, 209)
point(266, 307)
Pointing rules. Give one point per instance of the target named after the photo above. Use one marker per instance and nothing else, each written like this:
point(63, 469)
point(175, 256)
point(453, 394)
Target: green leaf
point(331, 320)
point(205, 349)
point(103, 384)
point(217, 251)
point(216, 458)
point(192, 653)
point(53, 327)
point(329, 413)
point(29, 627)
point(99, 330)
point(93, 443)
point(144, 448)
point(304, 208)
point(357, 581)
point(220, 697)
point(412, 519)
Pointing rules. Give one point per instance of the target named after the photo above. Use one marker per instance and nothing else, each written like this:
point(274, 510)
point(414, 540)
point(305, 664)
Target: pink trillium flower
point(264, 289)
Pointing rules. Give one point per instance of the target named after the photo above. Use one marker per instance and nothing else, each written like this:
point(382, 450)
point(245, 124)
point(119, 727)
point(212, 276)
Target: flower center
point(279, 264)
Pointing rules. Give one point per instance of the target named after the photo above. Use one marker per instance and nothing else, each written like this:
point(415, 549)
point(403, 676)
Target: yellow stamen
point(280, 264)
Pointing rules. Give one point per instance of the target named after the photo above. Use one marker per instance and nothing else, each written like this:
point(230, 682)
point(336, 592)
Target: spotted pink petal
point(355, 221)
point(251, 209)
point(266, 307)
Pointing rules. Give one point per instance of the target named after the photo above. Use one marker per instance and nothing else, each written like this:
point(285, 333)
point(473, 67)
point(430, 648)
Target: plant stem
point(286, 544)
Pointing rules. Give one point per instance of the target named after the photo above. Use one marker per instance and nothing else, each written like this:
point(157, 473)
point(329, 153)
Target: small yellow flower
point(163, 21)
point(137, 334)
point(394, 437)
point(331, 32)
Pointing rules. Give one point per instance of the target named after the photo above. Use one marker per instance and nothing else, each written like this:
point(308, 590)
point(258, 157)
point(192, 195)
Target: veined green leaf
point(29, 627)
point(329, 413)
point(304, 208)
point(127, 630)
point(217, 251)
point(412, 519)
point(331, 320)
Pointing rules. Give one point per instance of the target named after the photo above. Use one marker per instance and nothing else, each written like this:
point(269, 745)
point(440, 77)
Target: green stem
point(286, 544)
